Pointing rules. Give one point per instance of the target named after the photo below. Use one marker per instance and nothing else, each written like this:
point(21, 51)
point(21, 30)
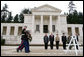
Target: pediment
point(46, 7)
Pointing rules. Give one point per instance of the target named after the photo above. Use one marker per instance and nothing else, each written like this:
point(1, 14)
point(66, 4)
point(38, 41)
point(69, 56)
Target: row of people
point(57, 40)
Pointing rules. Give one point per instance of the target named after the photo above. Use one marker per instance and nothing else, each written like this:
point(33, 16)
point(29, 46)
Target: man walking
point(22, 36)
point(24, 42)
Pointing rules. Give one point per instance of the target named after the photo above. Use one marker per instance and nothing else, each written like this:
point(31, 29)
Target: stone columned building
point(44, 19)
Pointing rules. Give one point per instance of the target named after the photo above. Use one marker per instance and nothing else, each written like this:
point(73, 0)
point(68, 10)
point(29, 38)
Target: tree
point(16, 18)
point(71, 7)
point(3, 19)
point(80, 17)
point(4, 13)
point(75, 18)
point(69, 18)
point(21, 17)
point(5, 8)
point(26, 11)
point(10, 17)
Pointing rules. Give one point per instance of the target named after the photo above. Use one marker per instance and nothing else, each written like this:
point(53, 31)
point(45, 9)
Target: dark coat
point(51, 38)
point(64, 39)
point(46, 39)
point(23, 34)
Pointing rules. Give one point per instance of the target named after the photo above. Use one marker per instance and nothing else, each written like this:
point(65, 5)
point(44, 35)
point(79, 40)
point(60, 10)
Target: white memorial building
point(44, 19)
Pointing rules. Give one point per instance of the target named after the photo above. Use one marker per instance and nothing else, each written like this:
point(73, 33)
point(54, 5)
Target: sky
point(17, 6)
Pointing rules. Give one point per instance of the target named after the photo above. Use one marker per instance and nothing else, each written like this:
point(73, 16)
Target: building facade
point(44, 19)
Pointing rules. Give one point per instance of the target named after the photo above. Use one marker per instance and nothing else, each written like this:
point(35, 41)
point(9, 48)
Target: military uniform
point(24, 42)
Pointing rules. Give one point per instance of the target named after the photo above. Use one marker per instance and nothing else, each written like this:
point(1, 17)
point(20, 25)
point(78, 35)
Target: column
point(33, 20)
point(50, 23)
point(1, 30)
point(15, 30)
point(8, 31)
point(59, 26)
point(59, 29)
point(80, 31)
point(73, 30)
point(41, 26)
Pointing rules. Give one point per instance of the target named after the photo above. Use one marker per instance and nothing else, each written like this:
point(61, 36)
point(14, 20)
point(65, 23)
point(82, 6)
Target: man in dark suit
point(46, 41)
point(51, 38)
point(64, 41)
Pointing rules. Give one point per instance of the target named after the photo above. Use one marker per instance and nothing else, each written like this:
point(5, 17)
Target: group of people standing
point(51, 39)
point(57, 40)
point(25, 38)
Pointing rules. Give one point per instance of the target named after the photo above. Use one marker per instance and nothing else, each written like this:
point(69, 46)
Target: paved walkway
point(39, 51)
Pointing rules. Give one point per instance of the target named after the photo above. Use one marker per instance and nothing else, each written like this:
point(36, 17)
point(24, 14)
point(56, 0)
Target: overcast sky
point(17, 6)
